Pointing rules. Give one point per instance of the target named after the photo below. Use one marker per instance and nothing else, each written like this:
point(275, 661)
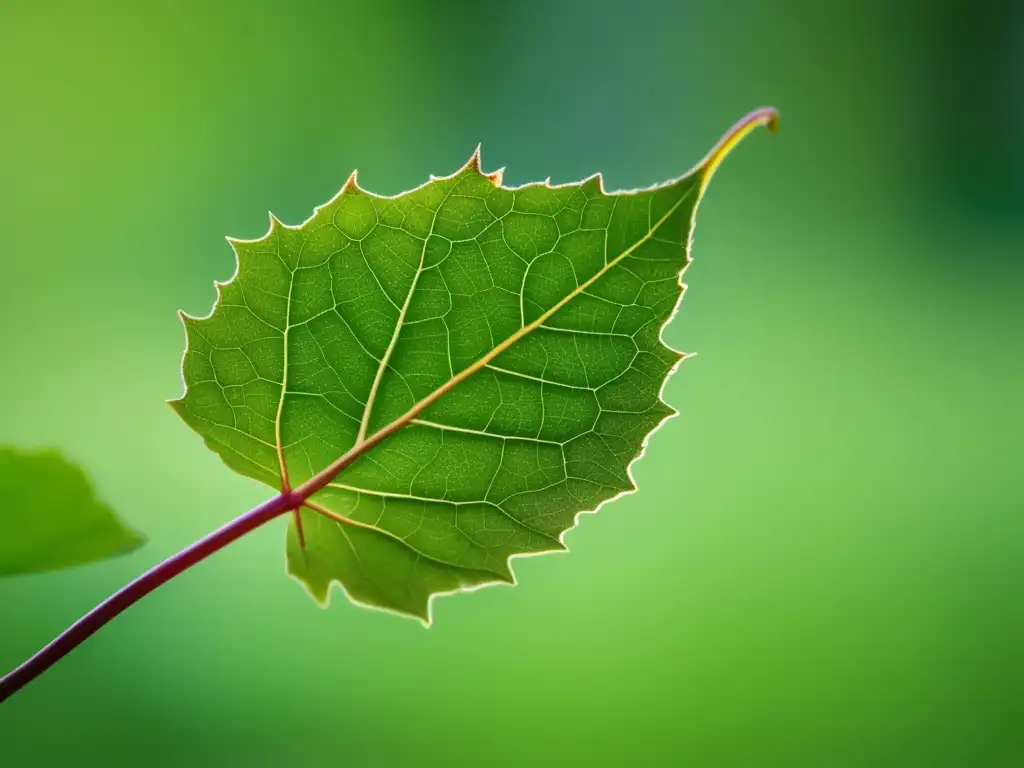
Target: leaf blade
point(487, 361)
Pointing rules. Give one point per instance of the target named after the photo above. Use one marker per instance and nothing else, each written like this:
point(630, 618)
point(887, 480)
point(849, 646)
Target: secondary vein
point(368, 410)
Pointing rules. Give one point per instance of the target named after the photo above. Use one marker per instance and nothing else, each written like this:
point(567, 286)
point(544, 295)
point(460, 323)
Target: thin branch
point(130, 594)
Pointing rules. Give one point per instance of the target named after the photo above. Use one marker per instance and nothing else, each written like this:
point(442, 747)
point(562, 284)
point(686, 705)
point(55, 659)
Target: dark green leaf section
point(51, 519)
point(333, 329)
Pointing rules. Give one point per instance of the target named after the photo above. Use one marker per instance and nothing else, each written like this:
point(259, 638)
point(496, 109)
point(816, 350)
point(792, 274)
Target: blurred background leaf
point(51, 518)
point(836, 515)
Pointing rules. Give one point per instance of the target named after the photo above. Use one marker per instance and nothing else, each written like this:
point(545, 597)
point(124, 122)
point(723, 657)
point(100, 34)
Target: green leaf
point(486, 360)
point(51, 518)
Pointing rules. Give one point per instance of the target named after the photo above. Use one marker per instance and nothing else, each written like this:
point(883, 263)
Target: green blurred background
point(823, 565)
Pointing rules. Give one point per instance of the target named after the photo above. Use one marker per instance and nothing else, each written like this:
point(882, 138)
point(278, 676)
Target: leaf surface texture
point(528, 319)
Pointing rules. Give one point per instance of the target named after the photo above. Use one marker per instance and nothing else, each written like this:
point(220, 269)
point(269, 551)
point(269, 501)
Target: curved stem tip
point(764, 116)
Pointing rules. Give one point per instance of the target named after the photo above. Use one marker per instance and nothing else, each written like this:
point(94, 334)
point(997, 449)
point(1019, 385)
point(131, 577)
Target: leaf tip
point(275, 223)
point(763, 116)
point(495, 177)
point(595, 183)
point(473, 164)
point(351, 183)
point(133, 540)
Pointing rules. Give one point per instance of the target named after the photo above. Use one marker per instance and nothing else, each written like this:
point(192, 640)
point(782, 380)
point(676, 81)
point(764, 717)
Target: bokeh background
point(824, 563)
